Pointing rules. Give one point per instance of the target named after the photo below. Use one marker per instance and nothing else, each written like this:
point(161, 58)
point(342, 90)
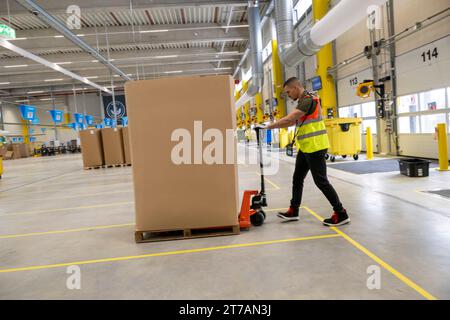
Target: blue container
point(269, 136)
point(20, 139)
point(113, 123)
point(31, 131)
point(124, 121)
point(89, 120)
point(35, 121)
point(43, 130)
point(57, 115)
point(32, 139)
point(99, 126)
point(27, 112)
point(79, 117)
point(107, 122)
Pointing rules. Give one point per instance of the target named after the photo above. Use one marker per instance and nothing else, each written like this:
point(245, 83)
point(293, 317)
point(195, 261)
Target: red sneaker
point(337, 219)
point(290, 215)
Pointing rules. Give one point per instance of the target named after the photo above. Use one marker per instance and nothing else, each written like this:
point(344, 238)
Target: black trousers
point(317, 164)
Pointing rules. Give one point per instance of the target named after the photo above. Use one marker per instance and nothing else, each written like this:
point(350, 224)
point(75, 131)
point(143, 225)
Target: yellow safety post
point(369, 144)
point(443, 147)
point(325, 60)
point(277, 80)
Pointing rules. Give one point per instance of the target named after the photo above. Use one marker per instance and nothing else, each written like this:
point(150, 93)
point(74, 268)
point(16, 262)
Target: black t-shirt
point(307, 105)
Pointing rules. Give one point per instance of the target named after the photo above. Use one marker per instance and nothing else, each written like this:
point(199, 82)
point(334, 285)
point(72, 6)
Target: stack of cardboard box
point(170, 195)
point(92, 148)
point(126, 145)
point(113, 146)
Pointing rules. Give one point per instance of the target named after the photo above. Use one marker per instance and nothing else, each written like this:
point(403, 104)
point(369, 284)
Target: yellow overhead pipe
point(325, 60)
point(259, 108)
point(26, 138)
point(277, 72)
point(246, 106)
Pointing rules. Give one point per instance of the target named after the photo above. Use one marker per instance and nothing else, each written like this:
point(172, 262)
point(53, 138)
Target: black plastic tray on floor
point(414, 167)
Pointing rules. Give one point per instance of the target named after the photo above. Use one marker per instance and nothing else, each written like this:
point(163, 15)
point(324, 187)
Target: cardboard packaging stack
point(113, 146)
point(24, 150)
point(126, 145)
point(171, 196)
point(92, 148)
point(16, 149)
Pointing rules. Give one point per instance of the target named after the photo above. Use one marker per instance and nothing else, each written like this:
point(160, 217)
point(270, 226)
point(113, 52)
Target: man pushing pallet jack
point(312, 144)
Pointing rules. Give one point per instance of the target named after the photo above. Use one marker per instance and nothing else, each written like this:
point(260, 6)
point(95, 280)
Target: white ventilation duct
point(337, 21)
point(254, 22)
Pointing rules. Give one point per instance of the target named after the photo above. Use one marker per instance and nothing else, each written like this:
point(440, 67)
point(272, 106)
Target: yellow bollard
point(369, 144)
point(443, 147)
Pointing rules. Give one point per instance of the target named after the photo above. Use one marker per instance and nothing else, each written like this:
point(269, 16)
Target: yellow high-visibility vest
point(312, 134)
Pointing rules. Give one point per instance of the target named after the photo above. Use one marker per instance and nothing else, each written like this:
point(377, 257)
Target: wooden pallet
point(152, 236)
point(95, 167)
point(114, 165)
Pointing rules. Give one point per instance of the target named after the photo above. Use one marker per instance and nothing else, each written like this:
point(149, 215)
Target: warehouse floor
point(54, 214)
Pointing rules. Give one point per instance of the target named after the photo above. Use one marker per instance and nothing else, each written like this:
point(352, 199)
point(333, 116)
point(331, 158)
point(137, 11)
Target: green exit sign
point(6, 32)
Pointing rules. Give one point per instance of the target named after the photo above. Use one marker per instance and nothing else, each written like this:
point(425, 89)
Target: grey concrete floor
point(54, 214)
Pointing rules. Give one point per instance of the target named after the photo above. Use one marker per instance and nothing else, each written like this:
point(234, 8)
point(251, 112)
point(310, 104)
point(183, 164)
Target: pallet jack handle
point(261, 165)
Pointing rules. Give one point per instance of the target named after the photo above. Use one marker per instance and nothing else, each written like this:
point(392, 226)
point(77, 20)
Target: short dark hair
point(291, 81)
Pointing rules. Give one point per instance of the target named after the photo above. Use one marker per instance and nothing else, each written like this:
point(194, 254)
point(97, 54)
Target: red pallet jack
point(254, 200)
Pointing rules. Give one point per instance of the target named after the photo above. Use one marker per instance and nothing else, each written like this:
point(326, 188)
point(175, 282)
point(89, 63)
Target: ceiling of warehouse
point(145, 39)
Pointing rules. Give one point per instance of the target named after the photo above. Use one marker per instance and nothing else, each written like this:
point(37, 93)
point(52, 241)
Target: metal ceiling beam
point(120, 39)
point(41, 73)
point(60, 6)
point(131, 55)
point(56, 24)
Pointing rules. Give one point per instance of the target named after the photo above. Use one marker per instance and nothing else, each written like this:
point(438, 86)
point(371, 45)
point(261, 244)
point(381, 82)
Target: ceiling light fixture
point(61, 63)
point(52, 80)
point(176, 71)
point(33, 92)
point(16, 66)
point(3, 83)
point(165, 57)
point(153, 31)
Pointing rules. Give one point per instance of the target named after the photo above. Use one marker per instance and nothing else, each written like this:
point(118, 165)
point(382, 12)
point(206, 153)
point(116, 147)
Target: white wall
point(408, 12)
point(420, 145)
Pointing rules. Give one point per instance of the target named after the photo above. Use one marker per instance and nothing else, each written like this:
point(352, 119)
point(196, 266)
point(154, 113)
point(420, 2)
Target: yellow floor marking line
point(273, 184)
point(65, 231)
point(378, 260)
point(69, 209)
point(160, 254)
point(71, 197)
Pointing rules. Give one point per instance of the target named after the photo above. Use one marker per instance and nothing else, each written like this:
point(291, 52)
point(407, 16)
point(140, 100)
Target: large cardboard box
point(170, 196)
point(24, 150)
point(92, 148)
point(113, 146)
point(16, 149)
point(126, 145)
